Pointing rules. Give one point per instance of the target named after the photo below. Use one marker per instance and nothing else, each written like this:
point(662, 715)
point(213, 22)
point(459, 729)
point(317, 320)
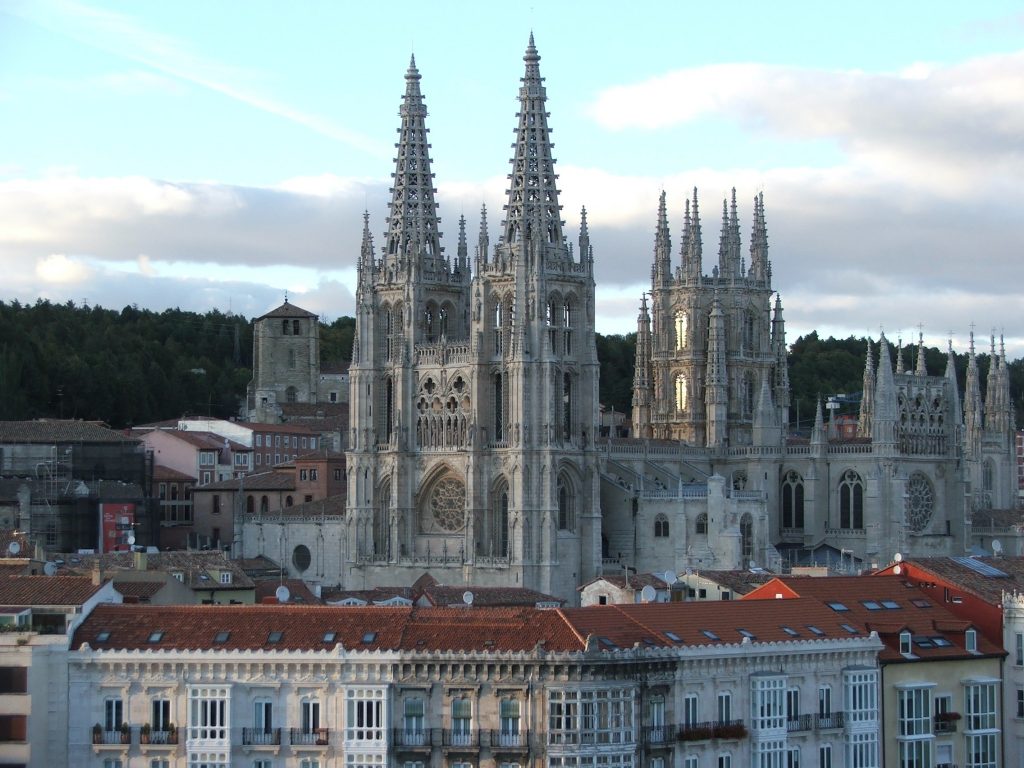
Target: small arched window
point(250, 504)
point(661, 527)
point(264, 505)
point(747, 536)
point(682, 328)
point(702, 524)
point(566, 513)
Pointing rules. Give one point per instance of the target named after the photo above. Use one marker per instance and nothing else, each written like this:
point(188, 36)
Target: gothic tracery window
point(661, 527)
point(851, 501)
point(920, 502)
point(793, 500)
point(681, 327)
point(681, 392)
point(447, 504)
point(566, 511)
point(747, 536)
point(702, 524)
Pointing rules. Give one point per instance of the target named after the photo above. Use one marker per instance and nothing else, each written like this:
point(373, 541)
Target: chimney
point(97, 573)
point(141, 561)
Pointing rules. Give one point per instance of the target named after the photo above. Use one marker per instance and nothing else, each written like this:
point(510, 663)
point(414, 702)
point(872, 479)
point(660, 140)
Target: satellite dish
point(647, 594)
point(689, 571)
point(897, 569)
point(13, 548)
point(671, 578)
point(752, 564)
point(50, 569)
point(282, 594)
point(131, 539)
point(898, 557)
point(997, 546)
point(467, 597)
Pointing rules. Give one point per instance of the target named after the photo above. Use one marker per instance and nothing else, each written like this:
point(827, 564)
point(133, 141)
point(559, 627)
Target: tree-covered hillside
point(135, 366)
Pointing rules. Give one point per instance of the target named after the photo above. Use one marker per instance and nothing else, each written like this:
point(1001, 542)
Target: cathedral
point(472, 452)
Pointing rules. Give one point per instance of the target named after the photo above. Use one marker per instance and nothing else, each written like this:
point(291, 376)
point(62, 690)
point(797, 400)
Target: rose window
point(920, 502)
point(448, 503)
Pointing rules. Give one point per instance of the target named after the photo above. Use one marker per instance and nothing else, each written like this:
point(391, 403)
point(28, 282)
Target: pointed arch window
point(682, 328)
point(567, 406)
point(498, 404)
point(702, 524)
point(498, 327)
point(381, 514)
point(661, 526)
point(851, 501)
point(747, 537)
point(566, 510)
point(681, 392)
point(430, 322)
point(793, 501)
point(567, 313)
point(747, 393)
point(442, 321)
point(389, 335)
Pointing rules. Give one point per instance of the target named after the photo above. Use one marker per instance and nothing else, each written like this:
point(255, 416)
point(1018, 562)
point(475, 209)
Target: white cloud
point(58, 268)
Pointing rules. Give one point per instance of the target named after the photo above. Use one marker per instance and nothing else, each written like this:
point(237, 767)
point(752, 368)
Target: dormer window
point(179, 576)
point(225, 577)
point(971, 640)
point(905, 643)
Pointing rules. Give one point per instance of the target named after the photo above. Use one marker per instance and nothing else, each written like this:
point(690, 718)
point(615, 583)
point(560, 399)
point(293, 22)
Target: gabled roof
point(47, 590)
point(167, 474)
point(59, 431)
point(739, 582)
point(986, 577)
point(139, 589)
point(299, 592)
point(286, 310)
point(636, 581)
point(888, 605)
point(260, 481)
point(199, 570)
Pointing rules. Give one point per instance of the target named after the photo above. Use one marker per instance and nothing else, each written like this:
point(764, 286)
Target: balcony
point(261, 737)
point(158, 738)
point(118, 738)
point(831, 720)
point(509, 741)
point(944, 726)
point(799, 723)
point(309, 737)
point(412, 738)
point(712, 729)
point(460, 738)
point(657, 735)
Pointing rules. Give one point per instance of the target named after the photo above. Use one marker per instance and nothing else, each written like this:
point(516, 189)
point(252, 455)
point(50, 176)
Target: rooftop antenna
point(50, 568)
point(282, 594)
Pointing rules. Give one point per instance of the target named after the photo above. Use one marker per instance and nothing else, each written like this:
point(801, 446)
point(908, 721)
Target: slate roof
point(287, 310)
point(888, 605)
point(139, 589)
point(197, 568)
point(739, 582)
point(299, 592)
point(46, 590)
point(59, 431)
point(481, 629)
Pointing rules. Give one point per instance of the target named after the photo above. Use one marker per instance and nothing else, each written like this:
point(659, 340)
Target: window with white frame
point(982, 750)
point(263, 716)
point(724, 706)
point(601, 716)
point(905, 646)
point(462, 721)
point(309, 762)
point(563, 717)
point(356, 760)
point(971, 640)
point(725, 761)
point(768, 703)
point(310, 713)
point(793, 757)
point(825, 756)
point(160, 715)
point(208, 715)
point(769, 753)
point(656, 762)
point(113, 762)
point(982, 714)
point(159, 762)
point(690, 709)
point(915, 754)
point(824, 701)
point(793, 704)
point(208, 760)
point(509, 720)
point(1019, 645)
point(364, 714)
point(656, 718)
point(1020, 702)
point(113, 713)
point(860, 695)
point(691, 761)
point(412, 721)
point(914, 729)
point(413, 764)
point(862, 749)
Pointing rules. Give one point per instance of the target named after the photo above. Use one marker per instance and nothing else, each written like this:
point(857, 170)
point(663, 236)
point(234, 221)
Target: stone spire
point(899, 355)
point(533, 195)
point(483, 243)
point(735, 258)
point(954, 390)
point(759, 242)
point(818, 436)
point(867, 398)
point(662, 245)
point(781, 367)
point(586, 252)
point(412, 221)
point(884, 418)
point(992, 385)
point(716, 388)
point(691, 249)
point(766, 423)
point(972, 403)
point(643, 391)
point(921, 369)
point(725, 266)
point(463, 250)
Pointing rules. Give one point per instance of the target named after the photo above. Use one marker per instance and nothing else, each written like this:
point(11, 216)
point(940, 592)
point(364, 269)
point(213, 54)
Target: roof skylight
point(221, 637)
point(275, 637)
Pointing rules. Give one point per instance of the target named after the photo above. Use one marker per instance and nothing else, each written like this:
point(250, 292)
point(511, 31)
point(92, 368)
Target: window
point(971, 640)
point(303, 474)
point(591, 716)
point(981, 706)
point(724, 707)
point(462, 721)
point(412, 722)
point(1019, 655)
point(310, 713)
point(768, 703)
point(508, 712)
point(702, 524)
point(263, 716)
point(824, 701)
point(208, 716)
point(656, 718)
point(313, 474)
point(793, 757)
point(113, 714)
point(681, 328)
point(661, 527)
point(905, 646)
point(159, 762)
point(825, 756)
point(566, 516)
point(13, 680)
point(216, 504)
point(112, 762)
point(862, 749)
point(793, 501)
point(851, 501)
point(690, 709)
point(312, 443)
point(1020, 702)
point(682, 392)
point(793, 704)
point(365, 715)
point(725, 761)
point(860, 692)
point(691, 761)
point(337, 474)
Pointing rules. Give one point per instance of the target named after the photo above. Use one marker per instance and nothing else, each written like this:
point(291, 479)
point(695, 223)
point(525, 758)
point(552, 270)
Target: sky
point(218, 155)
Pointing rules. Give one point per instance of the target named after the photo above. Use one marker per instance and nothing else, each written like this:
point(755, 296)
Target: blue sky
point(214, 154)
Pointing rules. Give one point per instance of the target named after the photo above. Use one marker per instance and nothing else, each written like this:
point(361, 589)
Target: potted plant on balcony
point(144, 732)
point(97, 734)
point(126, 734)
point(321, 736)
point(947, 717)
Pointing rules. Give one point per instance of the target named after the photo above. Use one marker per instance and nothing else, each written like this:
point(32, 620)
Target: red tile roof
point(989, 588)
point(46, 590)
point(888, 605)
point(299, 593)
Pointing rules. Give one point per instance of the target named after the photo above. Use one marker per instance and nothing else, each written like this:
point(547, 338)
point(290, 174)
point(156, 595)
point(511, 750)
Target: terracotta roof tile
point(261, 481)
point(298, 590)
point(287, 310)
point(59, 431)
point(989, 588)
point(46, 590)
point(143, 589)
